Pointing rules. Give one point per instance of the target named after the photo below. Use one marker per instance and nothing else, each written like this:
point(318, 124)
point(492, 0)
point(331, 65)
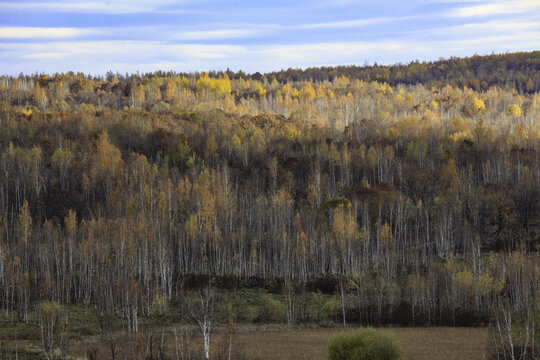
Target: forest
point(377, 195)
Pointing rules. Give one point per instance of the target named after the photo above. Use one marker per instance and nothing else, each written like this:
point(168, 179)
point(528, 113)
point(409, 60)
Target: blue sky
point(143, 35)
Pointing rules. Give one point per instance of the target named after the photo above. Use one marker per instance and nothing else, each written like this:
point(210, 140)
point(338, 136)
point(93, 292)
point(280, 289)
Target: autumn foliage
point(413, 203)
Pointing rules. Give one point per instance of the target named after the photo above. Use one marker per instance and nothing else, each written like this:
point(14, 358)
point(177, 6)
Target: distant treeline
point(520, 71)
point(517, 70)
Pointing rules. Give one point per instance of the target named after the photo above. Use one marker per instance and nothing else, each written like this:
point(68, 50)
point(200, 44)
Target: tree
point(40, 98)
point(515, 333)
point(449, 178)
point(52, 326)
point(171, 91)
point(137, 94)
point(60, 91)
point(107, 162)
point(478, 104)
point(220, 87)
point(307, 93)
point(514, 110)
point(378, 184)
point(61, 162)
point(203, 310)
point(386, 250)
point(25, 223)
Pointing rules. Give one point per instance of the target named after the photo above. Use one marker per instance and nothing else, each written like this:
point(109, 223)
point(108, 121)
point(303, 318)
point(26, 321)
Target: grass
point(263, 343)
point(423, 343)
point(80, 321)
point(258, 341)
point(20, 340)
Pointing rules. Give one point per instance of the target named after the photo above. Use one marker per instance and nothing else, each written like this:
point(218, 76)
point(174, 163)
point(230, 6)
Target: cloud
point(488, 28)
point(351, 23)
point(14, 32)
point(134, 51)
point(323, 53)
point(130, 32)
point(91, 7)
point(496, 8)
point(322, 37)
point(215, 34)
point(132, 56)
point(43, 55)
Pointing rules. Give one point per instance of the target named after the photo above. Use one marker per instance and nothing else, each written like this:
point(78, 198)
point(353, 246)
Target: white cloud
point(131, 56)
point(93, 7)
point(351, 23)
point(43, 55)
point(14, 32)
point(135, 51)
point(497, 8)
point(323, 53)
point(488, 28)
point(215, 34)
point(130, 32)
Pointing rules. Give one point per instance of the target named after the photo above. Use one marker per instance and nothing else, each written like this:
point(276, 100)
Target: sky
point(127, 36)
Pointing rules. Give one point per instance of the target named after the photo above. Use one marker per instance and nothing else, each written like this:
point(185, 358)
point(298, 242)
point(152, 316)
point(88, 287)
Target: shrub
point(331, 310)
point(159, 306)
point(271, 310)
point(160, 108)
point(364, 344)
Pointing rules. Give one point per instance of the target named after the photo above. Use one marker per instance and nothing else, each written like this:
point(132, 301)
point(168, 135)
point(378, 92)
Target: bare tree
point(181, 344)
point(52, 325)
point(202, 310)
point(514, 333)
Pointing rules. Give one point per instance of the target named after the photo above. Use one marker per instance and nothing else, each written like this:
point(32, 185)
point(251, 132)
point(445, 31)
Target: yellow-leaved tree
point(478, 104)
point(40, 97)
point(220, 86)
point(108, 163)
point(449, 179)
point(307, 93)
point(514, 110)
point(138, 95)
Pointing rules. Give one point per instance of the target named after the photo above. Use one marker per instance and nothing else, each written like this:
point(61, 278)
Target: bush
point(364, 344)
point(160, 108)
point(331, 310)
point(271, 310)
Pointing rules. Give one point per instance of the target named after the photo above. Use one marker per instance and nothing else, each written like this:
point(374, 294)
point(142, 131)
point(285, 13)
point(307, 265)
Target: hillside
point(412, 199)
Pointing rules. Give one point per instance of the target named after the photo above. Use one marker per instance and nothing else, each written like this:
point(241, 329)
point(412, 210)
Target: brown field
point(276, 343)
point(443, 343)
